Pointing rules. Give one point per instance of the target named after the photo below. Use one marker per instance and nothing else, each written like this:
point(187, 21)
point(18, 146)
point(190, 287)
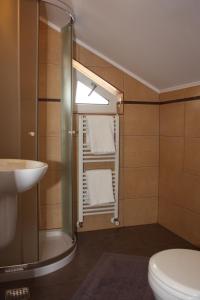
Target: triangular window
point(88, 95)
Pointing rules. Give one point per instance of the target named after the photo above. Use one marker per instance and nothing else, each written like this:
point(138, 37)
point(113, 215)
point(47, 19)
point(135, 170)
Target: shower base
point(53, 243)
point(56, 250)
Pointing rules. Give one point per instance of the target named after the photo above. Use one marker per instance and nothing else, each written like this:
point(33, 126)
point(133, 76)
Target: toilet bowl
point(175, 274)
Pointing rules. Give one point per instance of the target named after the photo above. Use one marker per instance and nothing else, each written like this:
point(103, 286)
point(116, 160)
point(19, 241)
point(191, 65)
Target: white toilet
point(175, 274)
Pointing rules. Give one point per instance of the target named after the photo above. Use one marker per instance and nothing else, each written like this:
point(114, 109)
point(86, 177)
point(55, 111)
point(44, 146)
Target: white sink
point(16, 176)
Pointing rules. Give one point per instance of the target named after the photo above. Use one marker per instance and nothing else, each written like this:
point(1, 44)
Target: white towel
point(99, 185)
point(101, 134)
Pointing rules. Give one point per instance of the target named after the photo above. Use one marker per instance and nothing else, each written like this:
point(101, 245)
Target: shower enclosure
point(29, 115)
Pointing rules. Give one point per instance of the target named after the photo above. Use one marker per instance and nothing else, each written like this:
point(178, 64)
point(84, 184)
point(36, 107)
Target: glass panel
point(67, 139)
point(55, 115)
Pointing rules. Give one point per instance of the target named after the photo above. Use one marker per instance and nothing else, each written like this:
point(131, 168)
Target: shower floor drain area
point(17, 294)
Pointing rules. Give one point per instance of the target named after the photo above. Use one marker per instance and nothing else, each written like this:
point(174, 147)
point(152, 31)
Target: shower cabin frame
point(40, 268)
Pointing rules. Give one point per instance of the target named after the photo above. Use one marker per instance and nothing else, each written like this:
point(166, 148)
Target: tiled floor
point(139, 240)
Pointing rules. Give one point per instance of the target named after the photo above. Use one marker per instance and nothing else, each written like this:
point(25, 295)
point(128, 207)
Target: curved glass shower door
point(55, 131)
point(67, 130)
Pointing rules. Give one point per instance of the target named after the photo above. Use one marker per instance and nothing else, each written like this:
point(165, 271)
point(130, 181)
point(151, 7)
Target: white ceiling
point(156, 40)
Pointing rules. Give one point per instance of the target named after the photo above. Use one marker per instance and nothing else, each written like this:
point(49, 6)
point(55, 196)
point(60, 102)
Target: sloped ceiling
point(156, 40)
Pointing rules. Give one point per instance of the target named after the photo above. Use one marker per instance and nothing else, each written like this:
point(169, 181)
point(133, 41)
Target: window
point(88, 95)
point(91, 93)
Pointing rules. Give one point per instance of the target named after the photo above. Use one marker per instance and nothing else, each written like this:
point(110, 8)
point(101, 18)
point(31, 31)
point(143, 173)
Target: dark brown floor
point(142, 240)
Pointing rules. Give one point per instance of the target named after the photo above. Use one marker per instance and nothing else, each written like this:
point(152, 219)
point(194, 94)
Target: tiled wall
point(179, 186)
point(139, 147)
point(139, 140)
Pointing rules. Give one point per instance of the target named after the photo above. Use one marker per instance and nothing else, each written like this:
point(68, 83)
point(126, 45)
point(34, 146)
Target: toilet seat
point(178, 271)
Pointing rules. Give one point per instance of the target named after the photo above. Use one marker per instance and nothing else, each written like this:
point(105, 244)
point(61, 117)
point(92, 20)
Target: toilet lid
point(179, 269)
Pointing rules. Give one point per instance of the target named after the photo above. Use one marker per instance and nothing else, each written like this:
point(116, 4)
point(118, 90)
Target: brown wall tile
point(50, 151)
point(171, 154)
point(50, 188)
point(192, 117)
point(88, 58)
point(112, 75)
point(135, 90)
point(49, 46)
point(141, 119)
point(179, 182)
point(49, 81)
point(49, 119)
point(192, 155)
point(180, 94)
point(172, 119)
point(140, 182)
point(139, 211)
point(141, 151)
point(50, 216)
point(181, 221)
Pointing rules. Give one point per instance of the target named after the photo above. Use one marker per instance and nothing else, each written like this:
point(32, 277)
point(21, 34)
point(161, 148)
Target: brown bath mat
point(117, 277)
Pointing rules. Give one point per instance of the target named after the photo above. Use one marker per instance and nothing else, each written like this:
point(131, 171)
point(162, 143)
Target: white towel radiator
point(85, 156)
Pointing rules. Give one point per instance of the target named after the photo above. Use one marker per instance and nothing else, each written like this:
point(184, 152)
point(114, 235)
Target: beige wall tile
point(170, 185)
point(171, 154)
point(141, 151)
point(134, 90)
point(49, 46)
point(192, 155)
point(180, 94)
point(179, 182)
point(50, 151)
point(140, 211)
point(49, 81)
point(43, 26)
point(192, 117)
point(49, 118)
point(189, 191)
point(50, 216)
point(28, 113)
point(181, 221)
point(172, 119)
point(140, 182)
point(28, 146)
point(88, 58)
point(141, 119)
point(111, 75)
point(50, 188)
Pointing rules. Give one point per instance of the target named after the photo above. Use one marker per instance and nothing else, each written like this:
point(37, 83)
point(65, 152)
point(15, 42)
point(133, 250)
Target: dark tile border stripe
point(138, 102)
point(163, 102)
point(48, 100)
point(180, 100)
point(142, 102)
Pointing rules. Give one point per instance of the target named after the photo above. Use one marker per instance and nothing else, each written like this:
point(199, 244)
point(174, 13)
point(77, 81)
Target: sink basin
point(16, 176)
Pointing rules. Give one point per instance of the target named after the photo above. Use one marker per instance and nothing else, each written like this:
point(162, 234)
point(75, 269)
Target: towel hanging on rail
point(100, 186)
point(100, 135)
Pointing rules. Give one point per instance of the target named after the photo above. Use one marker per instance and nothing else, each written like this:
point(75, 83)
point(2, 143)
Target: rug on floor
point(117, 277)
